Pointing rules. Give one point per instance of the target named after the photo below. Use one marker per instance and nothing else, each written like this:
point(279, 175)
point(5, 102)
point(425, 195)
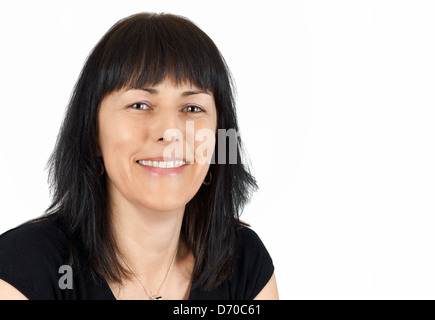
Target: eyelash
point(138, 106)
point(196, 107)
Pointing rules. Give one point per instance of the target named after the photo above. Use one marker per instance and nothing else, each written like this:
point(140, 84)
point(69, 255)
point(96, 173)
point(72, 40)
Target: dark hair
point(141, 50)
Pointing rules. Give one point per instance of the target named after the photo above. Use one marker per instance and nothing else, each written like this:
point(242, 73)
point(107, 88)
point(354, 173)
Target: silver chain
point(149, 293)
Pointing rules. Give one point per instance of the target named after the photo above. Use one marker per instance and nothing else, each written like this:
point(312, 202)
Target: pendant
point(156, 298)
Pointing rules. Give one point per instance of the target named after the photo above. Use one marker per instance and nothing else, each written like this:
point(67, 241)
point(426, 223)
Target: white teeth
point(162, 164)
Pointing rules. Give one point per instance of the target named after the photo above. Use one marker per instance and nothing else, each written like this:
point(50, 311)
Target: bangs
point(141, 51)
point(152, 47)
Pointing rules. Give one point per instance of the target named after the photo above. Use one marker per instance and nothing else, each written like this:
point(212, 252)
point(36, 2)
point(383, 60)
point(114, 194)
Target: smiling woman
point(131, 144)
point(134, 213)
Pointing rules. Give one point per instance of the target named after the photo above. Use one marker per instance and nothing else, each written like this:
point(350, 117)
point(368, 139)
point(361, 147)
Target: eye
point(139, 106)
point(193, 109)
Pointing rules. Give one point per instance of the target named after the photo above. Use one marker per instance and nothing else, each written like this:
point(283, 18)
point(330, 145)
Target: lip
point(162, 159)
point(162, 171)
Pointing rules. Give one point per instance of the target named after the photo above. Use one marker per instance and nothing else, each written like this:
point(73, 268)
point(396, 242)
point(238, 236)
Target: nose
point(166, 128)
point(167, 132)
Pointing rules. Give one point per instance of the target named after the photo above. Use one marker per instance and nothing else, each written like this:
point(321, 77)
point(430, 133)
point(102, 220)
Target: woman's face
point(147, 135)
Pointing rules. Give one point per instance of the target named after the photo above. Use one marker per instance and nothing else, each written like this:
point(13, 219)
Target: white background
point(336, 106)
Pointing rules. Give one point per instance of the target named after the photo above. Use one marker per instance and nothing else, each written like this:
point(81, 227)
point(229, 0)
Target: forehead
point(165, 88)
point(173, 81)
point(144, 52)
point(185, 88)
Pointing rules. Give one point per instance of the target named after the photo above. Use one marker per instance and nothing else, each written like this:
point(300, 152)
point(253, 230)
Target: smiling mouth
point(163, 164)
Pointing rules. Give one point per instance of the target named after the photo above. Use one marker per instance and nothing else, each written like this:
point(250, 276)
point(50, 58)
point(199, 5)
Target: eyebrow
point(184, 94)
point(195, 91)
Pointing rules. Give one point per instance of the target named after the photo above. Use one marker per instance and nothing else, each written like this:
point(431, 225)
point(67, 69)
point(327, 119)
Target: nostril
point(170, 139)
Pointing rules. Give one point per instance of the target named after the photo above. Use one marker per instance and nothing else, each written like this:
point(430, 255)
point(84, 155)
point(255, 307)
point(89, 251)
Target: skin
point(146, 210)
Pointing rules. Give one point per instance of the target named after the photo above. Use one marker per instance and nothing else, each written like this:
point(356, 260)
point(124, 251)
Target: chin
point(163, 204)
point(167, 198)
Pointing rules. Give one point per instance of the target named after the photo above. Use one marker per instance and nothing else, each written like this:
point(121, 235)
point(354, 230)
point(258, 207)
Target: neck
point(146, 239)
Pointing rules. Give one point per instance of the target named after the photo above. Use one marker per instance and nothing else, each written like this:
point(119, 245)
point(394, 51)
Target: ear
point(97, 139)
point(99, 153)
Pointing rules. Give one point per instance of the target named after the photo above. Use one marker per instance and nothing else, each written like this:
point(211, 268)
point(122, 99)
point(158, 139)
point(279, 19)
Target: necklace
point(149, 293)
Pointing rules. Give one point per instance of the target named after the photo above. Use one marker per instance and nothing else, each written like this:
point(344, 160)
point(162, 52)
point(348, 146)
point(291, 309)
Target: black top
point(31, 255)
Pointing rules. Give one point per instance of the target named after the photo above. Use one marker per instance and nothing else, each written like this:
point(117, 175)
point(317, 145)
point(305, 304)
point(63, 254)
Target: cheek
point(118, 143)
point(205, 142)
point(204, 146)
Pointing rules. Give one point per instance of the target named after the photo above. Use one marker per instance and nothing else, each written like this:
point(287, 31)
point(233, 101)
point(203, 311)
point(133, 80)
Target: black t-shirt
point(31, 255)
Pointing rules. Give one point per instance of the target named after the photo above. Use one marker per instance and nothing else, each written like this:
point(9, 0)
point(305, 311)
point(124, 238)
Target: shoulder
point(254, 266)
point(33, 240)
point(30, 257)
point(32, 229)
point(253, 269)
point(249, 242)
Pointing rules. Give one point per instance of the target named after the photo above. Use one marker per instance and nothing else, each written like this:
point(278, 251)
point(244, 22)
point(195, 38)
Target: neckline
point(110, 294)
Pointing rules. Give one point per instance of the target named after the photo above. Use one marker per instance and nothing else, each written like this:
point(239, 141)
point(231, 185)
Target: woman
point(141, 209)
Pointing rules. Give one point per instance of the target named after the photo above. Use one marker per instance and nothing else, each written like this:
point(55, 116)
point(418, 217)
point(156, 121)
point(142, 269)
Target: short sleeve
point(252, 271)
point(254, 267)
point(30, 257)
